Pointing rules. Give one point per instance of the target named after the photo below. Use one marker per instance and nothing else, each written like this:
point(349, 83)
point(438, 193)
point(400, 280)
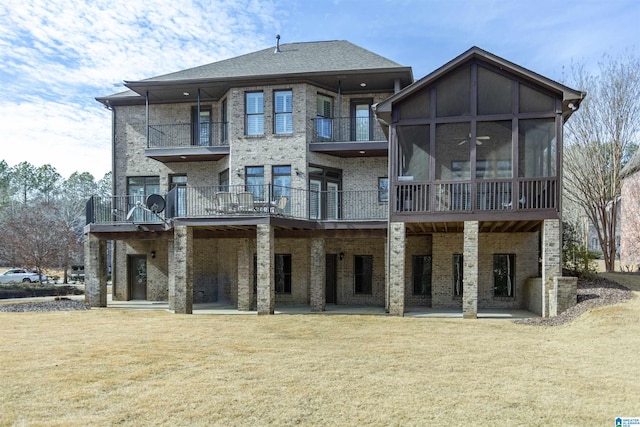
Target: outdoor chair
point(224, 202)
point(245, 202)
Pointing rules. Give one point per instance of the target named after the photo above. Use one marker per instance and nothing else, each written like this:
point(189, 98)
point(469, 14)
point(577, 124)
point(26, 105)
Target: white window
point(254, 104)
point(283, 112)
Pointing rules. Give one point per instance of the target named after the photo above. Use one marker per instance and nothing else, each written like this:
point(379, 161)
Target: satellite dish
point(155, 203)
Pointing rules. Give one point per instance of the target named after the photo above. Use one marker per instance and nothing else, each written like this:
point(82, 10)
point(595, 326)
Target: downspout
point(197, 138)
point(339, 110)
point(146, 112)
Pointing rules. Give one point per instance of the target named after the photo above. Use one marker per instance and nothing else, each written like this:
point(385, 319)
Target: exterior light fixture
point(363, 84)
point(185, 93)
point(341, 256)
point(153, 254)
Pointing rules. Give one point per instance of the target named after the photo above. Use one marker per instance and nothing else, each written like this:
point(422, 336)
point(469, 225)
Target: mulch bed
point(591, 294)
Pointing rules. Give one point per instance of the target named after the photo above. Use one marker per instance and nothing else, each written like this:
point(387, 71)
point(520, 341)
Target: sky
point(57, 56)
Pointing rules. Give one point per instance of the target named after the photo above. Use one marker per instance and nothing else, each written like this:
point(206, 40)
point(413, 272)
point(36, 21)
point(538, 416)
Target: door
point(331, 287)
point(361, 116)
point(137, 277)
point(201, 123)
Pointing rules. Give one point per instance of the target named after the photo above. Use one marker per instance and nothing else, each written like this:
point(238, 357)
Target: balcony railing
point(485, 195)
point(241, 200)
point(182, 135)
point(348, 205)
point(346, 129)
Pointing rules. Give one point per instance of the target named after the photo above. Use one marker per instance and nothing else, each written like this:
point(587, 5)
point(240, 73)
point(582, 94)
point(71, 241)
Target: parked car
point(20, 275)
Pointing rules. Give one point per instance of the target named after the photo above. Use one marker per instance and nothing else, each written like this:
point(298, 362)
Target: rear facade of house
point(321, 173)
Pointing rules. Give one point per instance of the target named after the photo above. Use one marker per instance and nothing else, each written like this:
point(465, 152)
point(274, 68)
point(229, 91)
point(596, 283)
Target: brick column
point(470, 274)
point(551, 260)
point(318, 274)
point(95, 265)
point(183, 269)
point(266, 285)
point(397, 240)
point(245, 278)
point(171, 273)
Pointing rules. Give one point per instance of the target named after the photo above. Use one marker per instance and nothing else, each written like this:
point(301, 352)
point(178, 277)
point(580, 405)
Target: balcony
point(218, 202)
point(487, 199)
point(348, 137)
point(187, 142)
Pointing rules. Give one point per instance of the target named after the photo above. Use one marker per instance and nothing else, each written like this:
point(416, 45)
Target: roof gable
point(569, 96)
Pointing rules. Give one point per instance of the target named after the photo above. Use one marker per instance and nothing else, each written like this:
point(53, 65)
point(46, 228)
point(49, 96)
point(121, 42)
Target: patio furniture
point(245, 202)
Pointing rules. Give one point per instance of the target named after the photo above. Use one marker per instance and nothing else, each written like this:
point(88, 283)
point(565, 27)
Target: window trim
point(460, 275)
point(366, 285)
point(414, 284)
point(277, 113)
point(383, 191)
point(511, 262)
point(257, 114)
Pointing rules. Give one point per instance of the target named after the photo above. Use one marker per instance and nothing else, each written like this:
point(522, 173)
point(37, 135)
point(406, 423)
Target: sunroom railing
point(481, 195)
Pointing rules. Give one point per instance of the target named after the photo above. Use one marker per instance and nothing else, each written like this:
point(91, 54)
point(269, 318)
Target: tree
point(47, 182)
point(32, 235)
point(600, 138)
point(5, 185)
point(23, 177)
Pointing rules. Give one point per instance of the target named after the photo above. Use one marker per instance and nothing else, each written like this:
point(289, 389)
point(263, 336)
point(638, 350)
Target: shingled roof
point(322, 63)
point(292, 58)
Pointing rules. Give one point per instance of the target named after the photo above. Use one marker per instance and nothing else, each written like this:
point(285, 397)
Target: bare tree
point(33, 234)
point(600, 138)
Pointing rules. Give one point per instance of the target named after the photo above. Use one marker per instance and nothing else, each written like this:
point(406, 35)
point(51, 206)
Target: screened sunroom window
point(533, 101)
point(494, 150)
point(453, 94)
point(414, 158)
point(452, 151)
point(537, 148)
point(494, 93)
point(417, 106)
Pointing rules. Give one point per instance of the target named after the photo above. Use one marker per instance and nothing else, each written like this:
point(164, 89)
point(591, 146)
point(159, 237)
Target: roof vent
point(277, 44)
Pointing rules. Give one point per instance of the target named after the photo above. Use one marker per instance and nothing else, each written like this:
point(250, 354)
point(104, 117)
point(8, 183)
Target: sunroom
point(475, 168)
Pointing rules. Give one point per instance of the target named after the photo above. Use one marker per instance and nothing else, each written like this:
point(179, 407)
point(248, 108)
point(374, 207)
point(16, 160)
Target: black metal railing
point(346, 129)
point(242, 200)
point(181, 135)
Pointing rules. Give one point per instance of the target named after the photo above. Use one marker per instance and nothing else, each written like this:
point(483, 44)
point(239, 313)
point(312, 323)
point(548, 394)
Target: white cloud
point(57, 56)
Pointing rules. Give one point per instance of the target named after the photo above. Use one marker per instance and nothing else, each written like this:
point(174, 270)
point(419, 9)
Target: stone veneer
point(470, 274)
point(95, 255)
point(397, 259)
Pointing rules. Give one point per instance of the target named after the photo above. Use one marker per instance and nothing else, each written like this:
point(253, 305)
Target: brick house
point(629, 222)
point(321, 173)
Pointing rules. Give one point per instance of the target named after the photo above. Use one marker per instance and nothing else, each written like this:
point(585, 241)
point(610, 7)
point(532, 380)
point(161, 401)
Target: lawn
point(109, 366)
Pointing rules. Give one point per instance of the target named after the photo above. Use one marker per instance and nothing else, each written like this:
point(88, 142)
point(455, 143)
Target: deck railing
point(347, 205)
point(481, 195)
point(241, 200)
point(181, 135)
point(346, 129)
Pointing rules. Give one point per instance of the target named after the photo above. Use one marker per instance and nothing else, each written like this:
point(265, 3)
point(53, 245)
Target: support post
point(318, 274)
point(266, 285)
point(183, 268)
point(470, 274)
point(245, 282)
point(397, 243)
point(551, 260)
point(95, 260)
